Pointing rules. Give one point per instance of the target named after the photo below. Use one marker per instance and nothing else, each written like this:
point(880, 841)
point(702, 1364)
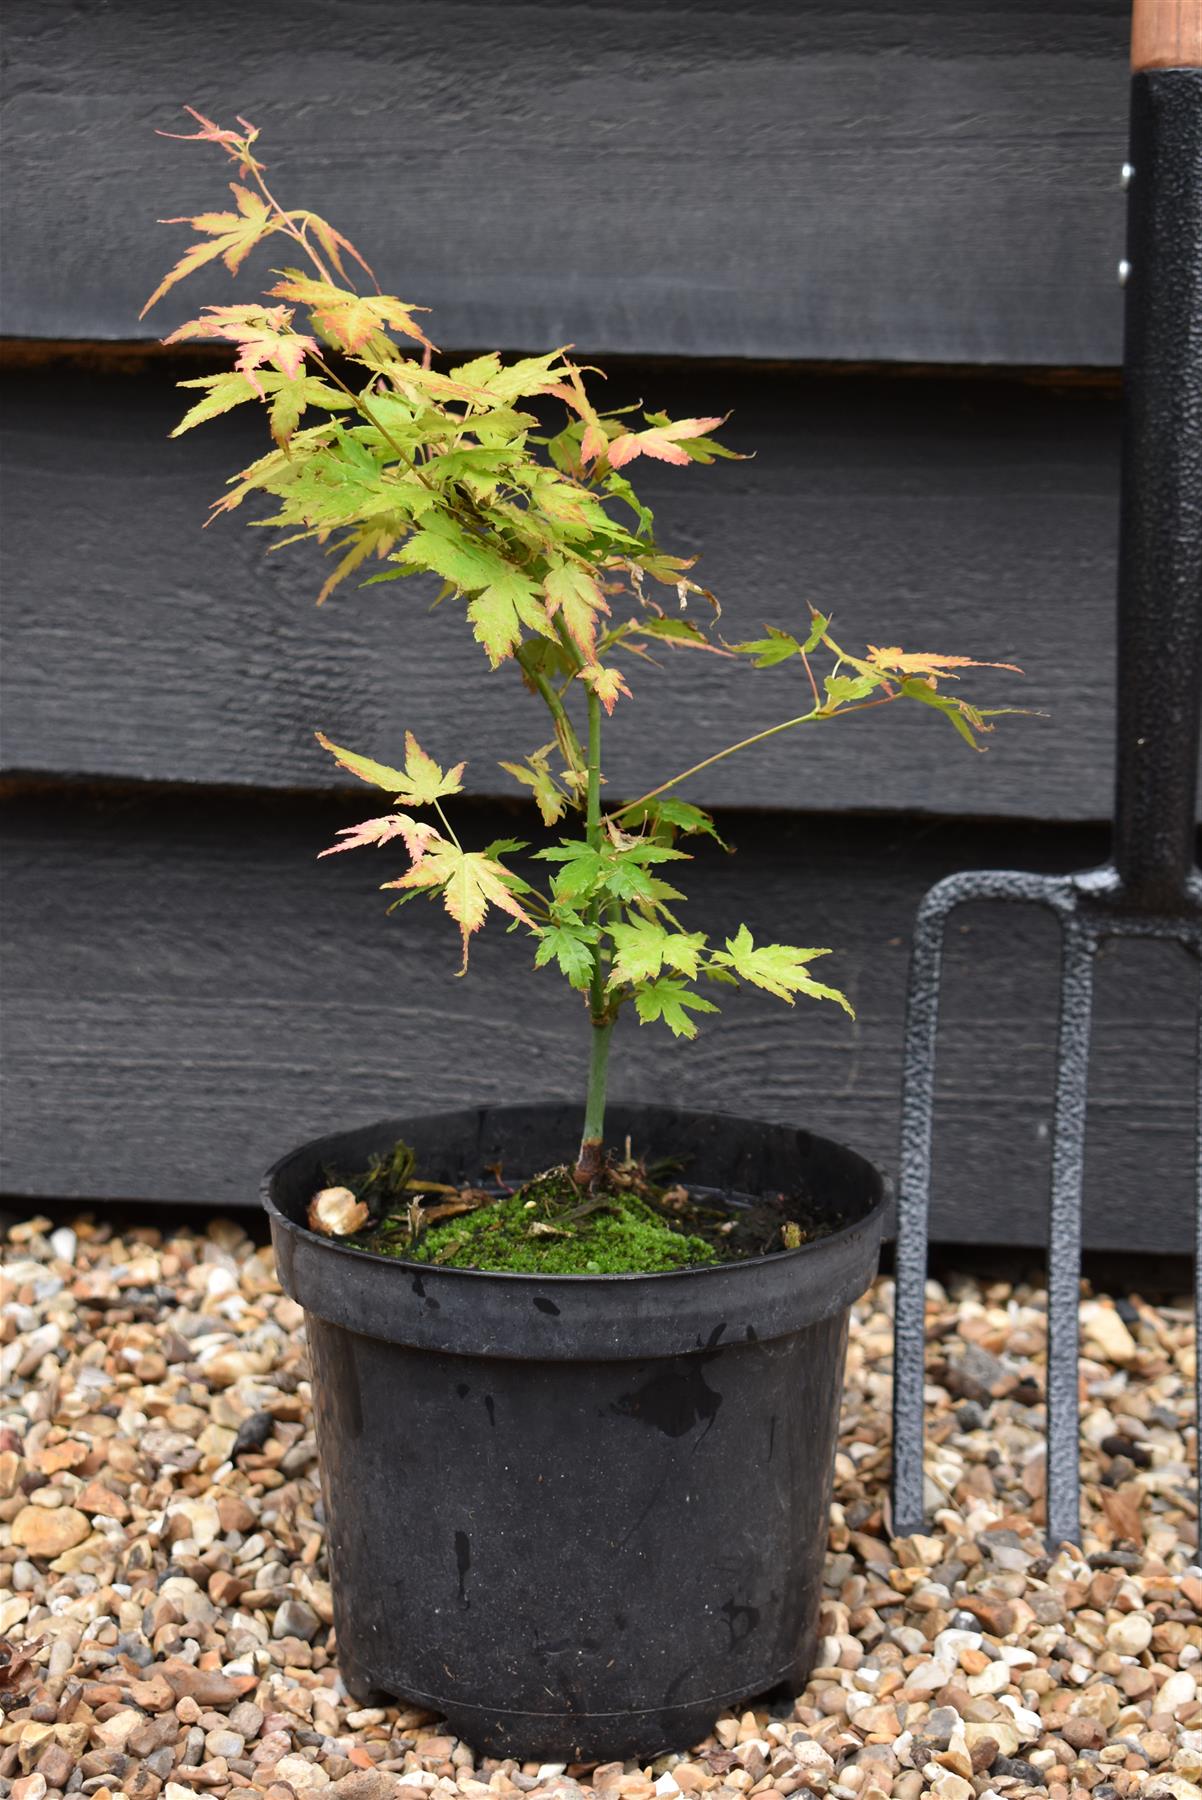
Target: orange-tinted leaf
point(232, 236)
point(895, 661)
point(264, 332)
point(470, 881)
point(352, 320)
point(415, 834)
point(331, 241)
point(572, 590)
point(607, 684)
point(659, 441)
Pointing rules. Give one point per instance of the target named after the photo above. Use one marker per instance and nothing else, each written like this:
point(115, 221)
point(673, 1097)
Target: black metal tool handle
point(1160, 544)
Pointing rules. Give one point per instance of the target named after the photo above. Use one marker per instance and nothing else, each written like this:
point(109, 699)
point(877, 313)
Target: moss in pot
point(576, 1370)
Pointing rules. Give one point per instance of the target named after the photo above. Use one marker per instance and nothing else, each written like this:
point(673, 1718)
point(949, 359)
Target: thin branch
point(744, 744)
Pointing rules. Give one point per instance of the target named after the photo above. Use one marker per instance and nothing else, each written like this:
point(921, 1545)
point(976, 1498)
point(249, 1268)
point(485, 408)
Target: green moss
point(619, 1236)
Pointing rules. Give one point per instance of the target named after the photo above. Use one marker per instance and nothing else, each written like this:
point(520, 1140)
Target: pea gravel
point(165, 1607)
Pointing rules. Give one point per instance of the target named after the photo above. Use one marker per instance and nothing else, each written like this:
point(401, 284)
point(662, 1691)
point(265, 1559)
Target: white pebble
point(64, 1244)
point(1178, 1692)
point(1130, 1634)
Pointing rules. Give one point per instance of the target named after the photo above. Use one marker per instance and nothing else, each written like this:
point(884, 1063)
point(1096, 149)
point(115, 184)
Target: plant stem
point(569, 743)
point(745, 744)
point(600, 1015)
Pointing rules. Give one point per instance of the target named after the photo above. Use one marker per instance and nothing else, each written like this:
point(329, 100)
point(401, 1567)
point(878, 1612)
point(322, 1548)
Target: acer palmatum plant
point(544, 542)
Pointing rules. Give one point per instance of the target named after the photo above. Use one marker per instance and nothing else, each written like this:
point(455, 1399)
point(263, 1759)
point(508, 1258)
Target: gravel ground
point(166, 1609)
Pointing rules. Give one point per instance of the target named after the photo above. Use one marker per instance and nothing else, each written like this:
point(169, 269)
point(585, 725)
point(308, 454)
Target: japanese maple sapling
point(547, 548)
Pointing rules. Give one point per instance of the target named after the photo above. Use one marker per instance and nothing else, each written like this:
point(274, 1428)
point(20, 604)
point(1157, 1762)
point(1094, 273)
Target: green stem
point(600, 1013)
point(593, 1138)
point(745, 744)
point(565, 732)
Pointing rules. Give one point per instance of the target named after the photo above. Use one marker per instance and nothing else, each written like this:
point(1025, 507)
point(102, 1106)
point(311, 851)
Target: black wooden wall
point(886, 236)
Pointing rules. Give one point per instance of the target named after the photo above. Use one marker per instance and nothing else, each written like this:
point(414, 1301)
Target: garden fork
point(1151, 887)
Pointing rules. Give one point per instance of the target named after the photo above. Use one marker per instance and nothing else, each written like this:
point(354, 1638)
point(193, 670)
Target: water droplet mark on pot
point(546, 1306)
point(674, 1401)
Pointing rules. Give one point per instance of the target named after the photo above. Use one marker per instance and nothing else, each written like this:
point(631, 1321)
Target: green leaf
point(444, 548)
point(224, 392)
point(532, 375)
point(499, 612)
point(818, 630)
point(779, 969)
point(643, 947)
point(842, 688)
point(672, 1002)
point(963, 716)
point(571, 947)
point(777, 647)
point(673, 815)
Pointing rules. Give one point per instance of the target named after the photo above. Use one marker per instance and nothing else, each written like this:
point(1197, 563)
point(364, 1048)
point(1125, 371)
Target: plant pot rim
point(624, 1313)
point(524, 1275)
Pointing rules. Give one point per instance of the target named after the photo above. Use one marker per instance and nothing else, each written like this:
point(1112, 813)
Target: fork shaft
point(1160, 539)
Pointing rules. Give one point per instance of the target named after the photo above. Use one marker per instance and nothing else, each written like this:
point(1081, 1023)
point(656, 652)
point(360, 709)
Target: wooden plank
point(969, 517)
point(933, 181)
point(188, 993)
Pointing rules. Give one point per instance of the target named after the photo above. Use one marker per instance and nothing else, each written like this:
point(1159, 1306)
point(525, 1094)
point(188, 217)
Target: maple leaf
point(264, 332)
point(662, 441)
point(674, 815)
point(350, 319)
point(356, 550)
point(607, 684)
point(570, 943)
point(668, 1000)
point(916, 662)
point(470, 882)
point(681, 632)
point(572, 590)
point(420, 783)
point(231, 388)
point(235, 144)
point(500, 610)
point(643, 946)
point(444, 548)
point(232, 236)
point(767, 651)
point(534, 773)
point(331, 241)
point(966, 718)
point(779, 969)
point(414, 832)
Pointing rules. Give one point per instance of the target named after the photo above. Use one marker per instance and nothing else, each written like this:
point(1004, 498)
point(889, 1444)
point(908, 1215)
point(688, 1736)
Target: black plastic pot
point(578, 1515)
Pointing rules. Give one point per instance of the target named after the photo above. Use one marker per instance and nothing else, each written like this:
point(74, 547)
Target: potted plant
point(576, 1370)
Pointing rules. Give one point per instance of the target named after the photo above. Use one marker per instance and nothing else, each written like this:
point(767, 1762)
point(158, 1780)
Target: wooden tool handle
point(1166, 34)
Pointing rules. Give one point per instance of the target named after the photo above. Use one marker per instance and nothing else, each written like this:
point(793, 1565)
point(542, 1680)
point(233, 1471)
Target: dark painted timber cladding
point(908, 180)
point(188, 994)
point(970, 517)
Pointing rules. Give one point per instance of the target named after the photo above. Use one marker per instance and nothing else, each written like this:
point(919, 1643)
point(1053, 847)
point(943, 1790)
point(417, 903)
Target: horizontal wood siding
point(953, 516)
point(934, 181)
point(188, 994)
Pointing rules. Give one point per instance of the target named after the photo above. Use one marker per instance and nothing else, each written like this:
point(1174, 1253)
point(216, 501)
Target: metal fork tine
point(913, 1205)
point(1064, 1234)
